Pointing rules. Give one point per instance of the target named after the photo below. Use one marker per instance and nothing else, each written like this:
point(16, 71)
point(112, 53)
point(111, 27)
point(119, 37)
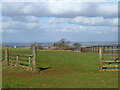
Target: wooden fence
point(96, 48)
point(21, 60)
point(109, 59)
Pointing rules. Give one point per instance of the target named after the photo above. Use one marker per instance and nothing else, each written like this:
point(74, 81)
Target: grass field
point(68, 70)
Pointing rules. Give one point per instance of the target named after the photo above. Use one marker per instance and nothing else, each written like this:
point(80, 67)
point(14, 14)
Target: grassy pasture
point(68, 70)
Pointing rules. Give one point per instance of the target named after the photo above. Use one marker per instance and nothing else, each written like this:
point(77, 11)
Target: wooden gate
point(109, 59)
point(21, 59)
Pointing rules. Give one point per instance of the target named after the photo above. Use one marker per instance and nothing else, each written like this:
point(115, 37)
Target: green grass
point(68, 70)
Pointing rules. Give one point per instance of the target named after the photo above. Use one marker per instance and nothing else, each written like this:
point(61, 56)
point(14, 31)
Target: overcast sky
point(50, 21)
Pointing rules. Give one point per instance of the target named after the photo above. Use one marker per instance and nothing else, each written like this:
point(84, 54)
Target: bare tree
point(39, 46)
point(62, 44)
point(31, 47)
point(77, 46)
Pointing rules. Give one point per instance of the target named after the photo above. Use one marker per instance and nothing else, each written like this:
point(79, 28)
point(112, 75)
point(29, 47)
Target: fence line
point(18, 61)
point(108, 59)
point(96, 48)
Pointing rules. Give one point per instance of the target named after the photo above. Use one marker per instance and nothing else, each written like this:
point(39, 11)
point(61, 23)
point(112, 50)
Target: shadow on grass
point(43, 68)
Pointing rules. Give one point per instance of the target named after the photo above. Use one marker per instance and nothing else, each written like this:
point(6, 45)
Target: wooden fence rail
point(29, 61)
point(109, 60)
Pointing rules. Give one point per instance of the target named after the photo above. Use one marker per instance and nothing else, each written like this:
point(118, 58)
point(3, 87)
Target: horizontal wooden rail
point(110, 57)
point(23, 62)
point(12, 57)
point(21, 54)
point(23, 58)
point(110, 69)
point(12, 60)
point(23, 66)
point(111, 49)
point(110, 66)
point(111, 61)
point(110, 54)
point(20, 58)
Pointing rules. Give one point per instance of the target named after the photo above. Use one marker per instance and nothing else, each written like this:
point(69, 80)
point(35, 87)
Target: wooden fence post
point(94, 48)
point(112, 49)
point(108, 50)
point(34, 58)
point(7, 57)
point(17, 58)
point(117, 47)
point(103, 47)
point(100, 58)
point(98, 49)
point(29, 62)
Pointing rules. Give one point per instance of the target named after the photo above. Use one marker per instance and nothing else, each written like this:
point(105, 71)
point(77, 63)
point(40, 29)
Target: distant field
point(68, 70)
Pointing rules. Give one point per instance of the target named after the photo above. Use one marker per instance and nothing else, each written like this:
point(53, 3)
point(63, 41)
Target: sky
point(49, 21)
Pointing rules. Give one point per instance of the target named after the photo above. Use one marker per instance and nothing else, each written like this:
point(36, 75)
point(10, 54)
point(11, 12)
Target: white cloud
point(108, 8)
point(86, 21)
point(94, 21)
point(0, 6)
point(59, 0)
point(66, 17)
point(8, 31)
point(23, 0)
point(71, 25)
point(31, 19)
point(79, 28)
point(61, 9)
point(16, 25)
